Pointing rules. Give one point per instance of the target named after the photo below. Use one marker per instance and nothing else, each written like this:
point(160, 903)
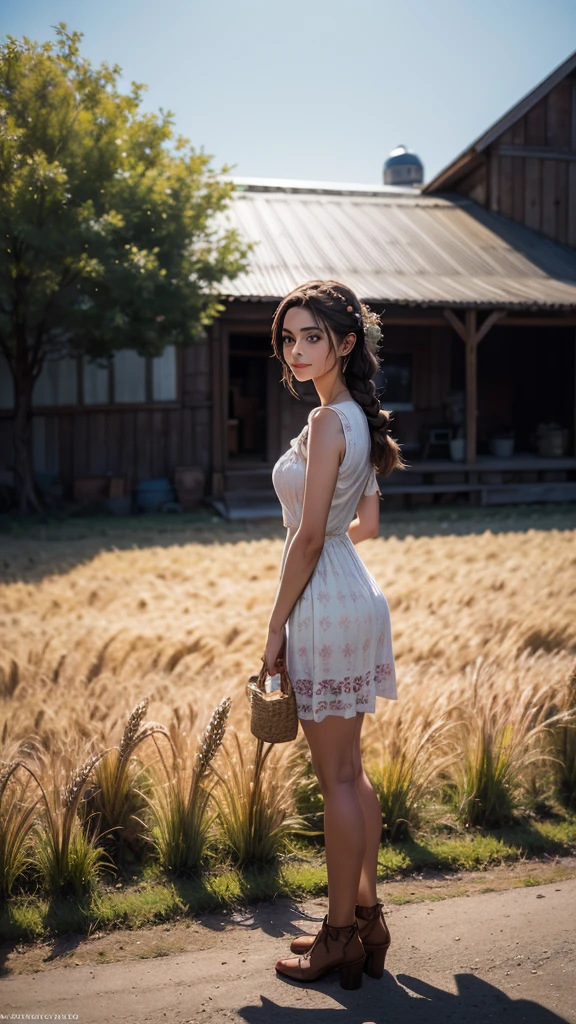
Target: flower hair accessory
point(368, 320)
point(372, 333)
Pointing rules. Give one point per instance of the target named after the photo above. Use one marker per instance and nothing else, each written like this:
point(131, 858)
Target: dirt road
point(496, 957)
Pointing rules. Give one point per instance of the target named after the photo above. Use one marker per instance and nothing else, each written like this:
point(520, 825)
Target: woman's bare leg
point(331, 743)
point(367, 895)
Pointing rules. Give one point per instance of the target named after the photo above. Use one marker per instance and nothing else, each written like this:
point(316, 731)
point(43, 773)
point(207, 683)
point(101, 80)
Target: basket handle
point(285, 684)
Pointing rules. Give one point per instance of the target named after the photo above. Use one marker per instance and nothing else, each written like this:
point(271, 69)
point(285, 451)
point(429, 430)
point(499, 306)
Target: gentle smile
point(300, 366)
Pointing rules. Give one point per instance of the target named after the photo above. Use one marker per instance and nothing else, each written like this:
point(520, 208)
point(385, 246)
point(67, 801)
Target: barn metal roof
point(411, 249)
point(301, 185)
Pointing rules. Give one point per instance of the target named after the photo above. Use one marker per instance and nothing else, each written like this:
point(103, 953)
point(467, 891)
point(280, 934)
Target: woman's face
point(306, 345)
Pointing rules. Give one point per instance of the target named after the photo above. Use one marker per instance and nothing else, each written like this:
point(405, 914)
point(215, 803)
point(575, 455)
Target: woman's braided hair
point(340, 312)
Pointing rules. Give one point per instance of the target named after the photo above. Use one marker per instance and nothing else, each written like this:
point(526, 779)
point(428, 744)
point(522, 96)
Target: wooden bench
point(562, 490)
point(429, 488)
point(493, 494)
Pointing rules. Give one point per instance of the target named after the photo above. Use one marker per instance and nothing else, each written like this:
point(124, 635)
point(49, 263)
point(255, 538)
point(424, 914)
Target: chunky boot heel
point(375, 937)
point(332, 948)
point(374, 963)
point(351, 974)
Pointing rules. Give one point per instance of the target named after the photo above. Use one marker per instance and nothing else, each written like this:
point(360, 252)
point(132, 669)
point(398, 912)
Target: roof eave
point(510, 307)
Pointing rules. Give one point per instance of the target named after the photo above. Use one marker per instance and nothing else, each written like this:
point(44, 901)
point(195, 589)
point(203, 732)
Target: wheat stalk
point(128, 741)
point(73, 789)
point(213, 736)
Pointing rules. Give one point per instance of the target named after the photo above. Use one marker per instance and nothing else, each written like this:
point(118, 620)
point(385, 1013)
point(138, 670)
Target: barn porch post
point(472, 335)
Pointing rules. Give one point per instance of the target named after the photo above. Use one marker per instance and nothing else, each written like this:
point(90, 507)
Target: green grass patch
point(151, 898)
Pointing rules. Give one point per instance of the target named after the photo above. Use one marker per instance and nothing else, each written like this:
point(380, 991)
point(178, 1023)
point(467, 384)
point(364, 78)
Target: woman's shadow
point(409, 1000)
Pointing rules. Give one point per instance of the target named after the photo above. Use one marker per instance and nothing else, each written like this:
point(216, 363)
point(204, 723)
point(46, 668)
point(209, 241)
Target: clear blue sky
point(319, 89)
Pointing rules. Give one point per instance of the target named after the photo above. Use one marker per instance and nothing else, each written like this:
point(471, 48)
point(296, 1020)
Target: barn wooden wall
point(529, 172)
point(431, 367)
point(145, 441)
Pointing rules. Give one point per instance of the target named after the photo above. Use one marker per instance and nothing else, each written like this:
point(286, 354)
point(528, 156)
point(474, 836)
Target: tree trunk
point(27, 496)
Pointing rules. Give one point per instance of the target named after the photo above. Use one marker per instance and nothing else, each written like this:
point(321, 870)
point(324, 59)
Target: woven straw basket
point(274, 715)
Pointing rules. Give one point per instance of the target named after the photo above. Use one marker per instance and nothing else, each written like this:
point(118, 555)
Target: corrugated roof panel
point(426, 250)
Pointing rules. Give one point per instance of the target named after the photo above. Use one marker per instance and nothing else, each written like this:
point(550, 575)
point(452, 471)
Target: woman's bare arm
point(367, 521)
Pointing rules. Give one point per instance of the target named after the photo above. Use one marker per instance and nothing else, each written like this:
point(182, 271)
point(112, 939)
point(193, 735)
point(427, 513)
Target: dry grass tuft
point(181, 824)
point(67, 861)
point(256, 802)
point(501, 737)
point(406, 762)
point(113, 809)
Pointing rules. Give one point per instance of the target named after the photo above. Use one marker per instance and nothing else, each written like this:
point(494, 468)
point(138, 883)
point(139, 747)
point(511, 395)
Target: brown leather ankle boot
point(373, 931)
point(333, 947)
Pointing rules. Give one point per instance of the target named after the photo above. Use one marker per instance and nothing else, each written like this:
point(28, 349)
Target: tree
point(111, 238)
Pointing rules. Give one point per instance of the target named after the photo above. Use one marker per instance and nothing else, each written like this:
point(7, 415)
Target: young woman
point(330, 616)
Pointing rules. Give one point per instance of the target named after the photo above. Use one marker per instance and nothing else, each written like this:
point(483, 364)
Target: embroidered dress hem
point(333, 694)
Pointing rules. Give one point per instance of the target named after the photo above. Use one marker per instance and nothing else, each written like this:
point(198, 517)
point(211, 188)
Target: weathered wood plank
point(538, 152)
point(187, 428)
point(67, 450)
point(533, 200)
point(494, 181)
point(571, 227)
point(549, 198)
point(113, 442)
point(506, 189)
point(202, 431)
point(559, 115)
point(143, 444)
point(128, 446)
point(519, 132)
point(97, 450)
point(518, 191)
point(173, 444)
point(536, 125)
point(562, 202)
point(440, 350)
point(158, 444)
point(80, 445)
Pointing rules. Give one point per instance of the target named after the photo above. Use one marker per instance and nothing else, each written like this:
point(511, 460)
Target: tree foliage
point(108, 221)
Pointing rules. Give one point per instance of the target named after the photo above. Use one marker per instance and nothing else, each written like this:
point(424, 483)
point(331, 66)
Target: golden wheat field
point(88, 628)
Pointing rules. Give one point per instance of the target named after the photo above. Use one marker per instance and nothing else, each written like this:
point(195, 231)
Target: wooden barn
point(475, 275)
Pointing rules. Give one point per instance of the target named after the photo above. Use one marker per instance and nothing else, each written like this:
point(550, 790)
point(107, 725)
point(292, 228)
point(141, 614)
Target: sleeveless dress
point(338, 637)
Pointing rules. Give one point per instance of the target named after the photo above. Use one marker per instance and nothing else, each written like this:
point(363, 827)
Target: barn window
point(132, 378)
point(57, 382)
point(96, 382)
point(129, 376)
point(126, 377)
point(164, 376)
point(394, 382)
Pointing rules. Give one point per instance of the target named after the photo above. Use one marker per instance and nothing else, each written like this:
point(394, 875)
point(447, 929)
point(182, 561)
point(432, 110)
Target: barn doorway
point(249, 355)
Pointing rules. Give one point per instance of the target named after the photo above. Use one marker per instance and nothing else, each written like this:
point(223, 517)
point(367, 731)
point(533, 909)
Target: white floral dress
point(338, 636)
